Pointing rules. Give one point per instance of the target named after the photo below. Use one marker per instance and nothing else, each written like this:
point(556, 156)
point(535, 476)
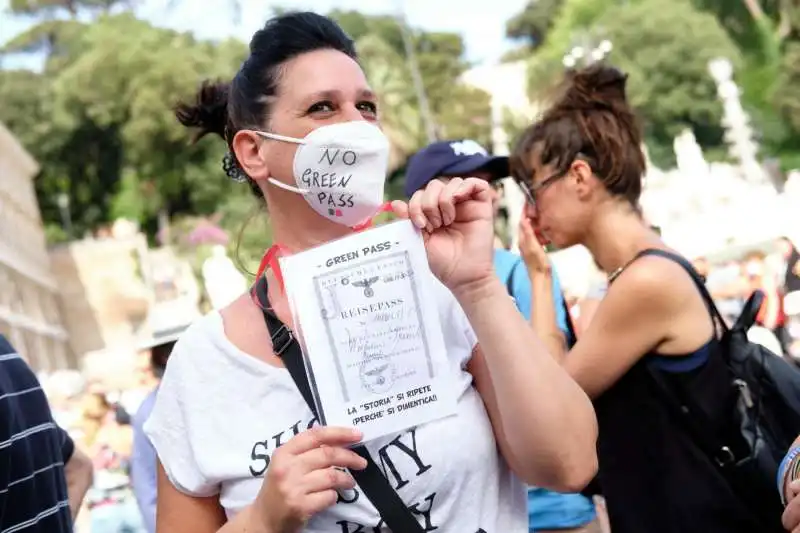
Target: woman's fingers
point(400, 209)
point(473, 189)
point(430, 204)
point(447, 201)
point(327, 479)
point(320, 436)
point(329, 456)
point(319, 501)
point(415, 210)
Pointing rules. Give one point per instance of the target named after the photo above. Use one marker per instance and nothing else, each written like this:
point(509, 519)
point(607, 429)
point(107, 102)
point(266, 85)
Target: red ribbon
point(270, 259)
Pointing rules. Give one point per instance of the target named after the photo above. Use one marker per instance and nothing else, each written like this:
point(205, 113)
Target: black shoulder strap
point(510, 279)
point(568, 319)
point(373, 483)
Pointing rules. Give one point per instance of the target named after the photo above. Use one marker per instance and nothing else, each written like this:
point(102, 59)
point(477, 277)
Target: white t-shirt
point(220, 414)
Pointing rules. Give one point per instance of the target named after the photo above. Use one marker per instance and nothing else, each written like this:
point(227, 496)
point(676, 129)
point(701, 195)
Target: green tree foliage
point(99, 115)
point(458, 110)
point(57, 23)
point(652, 40)
point(765, 31)
point(533, 23)
point(665, 48)
point(99, 119)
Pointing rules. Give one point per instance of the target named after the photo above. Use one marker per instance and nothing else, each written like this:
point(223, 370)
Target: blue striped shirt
point(33, 451)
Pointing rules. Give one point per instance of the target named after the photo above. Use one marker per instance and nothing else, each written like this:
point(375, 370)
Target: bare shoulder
point(656, 281)
point(661, 289)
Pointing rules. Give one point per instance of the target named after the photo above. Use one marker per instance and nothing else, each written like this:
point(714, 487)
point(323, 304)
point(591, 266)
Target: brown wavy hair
point(591, 120)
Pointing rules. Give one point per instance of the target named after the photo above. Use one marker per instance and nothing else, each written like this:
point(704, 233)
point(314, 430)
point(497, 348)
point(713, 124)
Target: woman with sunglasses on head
point(239, 449)
point(581, 169)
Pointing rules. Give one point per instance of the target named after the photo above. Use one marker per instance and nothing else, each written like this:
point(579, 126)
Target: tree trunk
point(755, 9)
point(785, 23)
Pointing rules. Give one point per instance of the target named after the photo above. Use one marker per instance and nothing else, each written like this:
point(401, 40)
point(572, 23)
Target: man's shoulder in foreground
point(33, 490)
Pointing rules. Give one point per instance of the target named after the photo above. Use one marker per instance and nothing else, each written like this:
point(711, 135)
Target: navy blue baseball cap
point(452, 158)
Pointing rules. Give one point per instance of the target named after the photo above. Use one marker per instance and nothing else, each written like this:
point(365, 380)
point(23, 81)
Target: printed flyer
point(371, 334)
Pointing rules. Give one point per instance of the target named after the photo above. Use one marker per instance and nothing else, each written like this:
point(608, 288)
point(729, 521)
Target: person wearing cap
point(143, 458)
point(466, 158)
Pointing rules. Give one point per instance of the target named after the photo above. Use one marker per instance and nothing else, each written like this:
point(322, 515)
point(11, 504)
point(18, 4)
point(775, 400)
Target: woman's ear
point(582, 171)
point(584, 179)
point(247, 149)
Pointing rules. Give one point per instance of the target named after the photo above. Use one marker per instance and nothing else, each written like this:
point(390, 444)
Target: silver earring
point(232, 168)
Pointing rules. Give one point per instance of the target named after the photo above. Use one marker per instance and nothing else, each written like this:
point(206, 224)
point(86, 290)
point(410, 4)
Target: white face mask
point(340, 169)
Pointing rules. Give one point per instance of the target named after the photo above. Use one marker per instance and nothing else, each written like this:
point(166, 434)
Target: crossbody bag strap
point(684, 408)
point(371, 480)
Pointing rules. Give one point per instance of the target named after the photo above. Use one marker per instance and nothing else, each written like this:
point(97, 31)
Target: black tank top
point(654, 478)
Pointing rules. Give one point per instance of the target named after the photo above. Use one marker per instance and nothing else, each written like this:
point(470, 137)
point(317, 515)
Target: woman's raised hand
point(456, 223)
point(531, 249)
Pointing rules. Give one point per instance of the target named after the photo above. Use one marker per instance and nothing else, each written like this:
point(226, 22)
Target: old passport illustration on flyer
point(370, 330)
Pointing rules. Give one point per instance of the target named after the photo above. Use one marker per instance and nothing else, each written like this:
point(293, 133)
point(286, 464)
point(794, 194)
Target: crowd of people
point(569, 402)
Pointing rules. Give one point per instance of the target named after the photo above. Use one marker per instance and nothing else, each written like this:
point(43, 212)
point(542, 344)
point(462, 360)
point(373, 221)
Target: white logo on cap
point(467, 147)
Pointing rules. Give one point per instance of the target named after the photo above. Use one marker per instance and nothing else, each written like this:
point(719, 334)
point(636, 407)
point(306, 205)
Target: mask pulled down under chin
point(340, 169)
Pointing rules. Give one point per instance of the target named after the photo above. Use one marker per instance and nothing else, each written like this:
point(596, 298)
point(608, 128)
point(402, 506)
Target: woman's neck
point(303, 228)
point(617, 235)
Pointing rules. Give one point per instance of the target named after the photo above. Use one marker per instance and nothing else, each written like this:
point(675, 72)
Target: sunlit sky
point(480, 22)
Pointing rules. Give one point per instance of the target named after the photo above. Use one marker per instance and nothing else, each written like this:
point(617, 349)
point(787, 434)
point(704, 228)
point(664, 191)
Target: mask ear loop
point(386, 207)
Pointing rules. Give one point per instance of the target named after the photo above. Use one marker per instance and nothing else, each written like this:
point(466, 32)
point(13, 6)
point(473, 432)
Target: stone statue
point(224, 283)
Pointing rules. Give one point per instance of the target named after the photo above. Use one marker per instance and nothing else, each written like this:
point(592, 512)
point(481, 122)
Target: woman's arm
point(543, 313)
point(544, 317)
point(772, 303)
point(791, 492)
point(632, 319)
point(786, 468)
point(544, 423)
point(180, 513)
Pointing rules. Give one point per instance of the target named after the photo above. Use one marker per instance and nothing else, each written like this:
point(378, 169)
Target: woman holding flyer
point(239, 448)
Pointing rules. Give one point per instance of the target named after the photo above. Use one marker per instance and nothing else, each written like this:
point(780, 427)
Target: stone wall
point(29, 311)
point(103, 294)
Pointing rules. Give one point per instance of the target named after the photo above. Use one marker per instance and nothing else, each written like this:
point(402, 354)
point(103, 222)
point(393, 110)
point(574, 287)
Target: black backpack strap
point(684, 408)
point(568, 319)
point(373, 483)
point(510, 279)
point(696, 422)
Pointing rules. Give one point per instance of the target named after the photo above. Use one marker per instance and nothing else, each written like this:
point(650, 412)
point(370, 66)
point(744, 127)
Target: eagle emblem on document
point(367, 284)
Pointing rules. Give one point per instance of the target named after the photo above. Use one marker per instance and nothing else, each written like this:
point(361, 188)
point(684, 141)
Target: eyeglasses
point(530, 190)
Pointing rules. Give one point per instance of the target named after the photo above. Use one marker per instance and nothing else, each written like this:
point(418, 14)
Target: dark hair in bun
point(591, 118)
point(225, 108)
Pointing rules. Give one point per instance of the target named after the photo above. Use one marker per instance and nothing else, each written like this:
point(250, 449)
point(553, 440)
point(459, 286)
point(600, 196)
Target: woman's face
point(314, 89)
point(561, 208)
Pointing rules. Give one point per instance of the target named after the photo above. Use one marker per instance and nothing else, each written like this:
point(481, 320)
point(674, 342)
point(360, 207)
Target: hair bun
point(209, 110)
point(597, 86)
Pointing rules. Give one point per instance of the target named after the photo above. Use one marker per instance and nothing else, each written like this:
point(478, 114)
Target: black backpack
point(766, 413)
